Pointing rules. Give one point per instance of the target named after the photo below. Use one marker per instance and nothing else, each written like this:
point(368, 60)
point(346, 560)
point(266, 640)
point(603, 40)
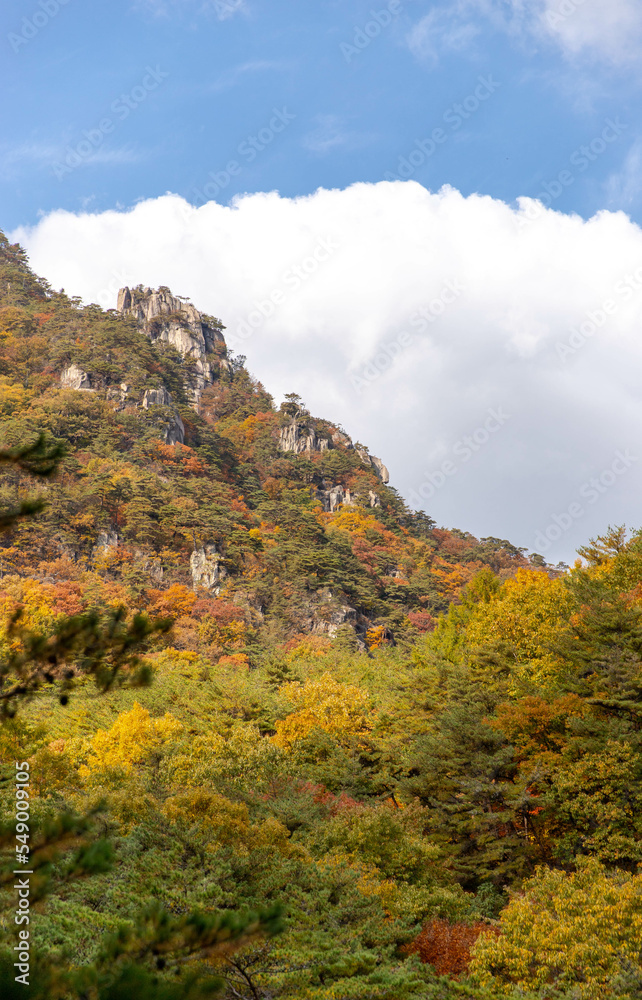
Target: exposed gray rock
point(299, 436)
point(328, 614)
point(380, 469)
point(74, 377)
point(333, 496)
point(156, 571)
point(175, 321)
point(121, 393)
point(105, 542)
point(207, 568)
point(339, 438)
point(156, 397)
point(175, 428)
point(375, 464)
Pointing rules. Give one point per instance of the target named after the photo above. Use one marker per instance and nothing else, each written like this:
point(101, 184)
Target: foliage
point(447, 946)
point(368, 739)
point(581, 930)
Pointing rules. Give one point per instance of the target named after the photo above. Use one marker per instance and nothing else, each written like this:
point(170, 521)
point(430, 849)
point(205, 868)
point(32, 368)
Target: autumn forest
point(285, 737)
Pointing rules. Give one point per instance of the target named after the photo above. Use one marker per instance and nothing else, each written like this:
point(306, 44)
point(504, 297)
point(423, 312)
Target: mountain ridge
point(222, 490)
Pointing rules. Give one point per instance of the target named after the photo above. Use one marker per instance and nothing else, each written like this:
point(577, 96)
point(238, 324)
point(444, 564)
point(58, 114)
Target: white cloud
point(605, 30)
point(500, 298)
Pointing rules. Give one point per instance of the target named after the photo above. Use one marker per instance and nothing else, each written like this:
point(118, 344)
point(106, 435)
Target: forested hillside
point(386, 759)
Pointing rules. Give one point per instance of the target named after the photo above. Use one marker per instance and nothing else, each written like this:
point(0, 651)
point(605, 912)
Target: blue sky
point(357, 111)
point(469, 171)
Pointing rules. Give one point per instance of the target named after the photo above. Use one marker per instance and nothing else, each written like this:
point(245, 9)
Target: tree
point(578, 931)
point(137, 959)
point(293, 404)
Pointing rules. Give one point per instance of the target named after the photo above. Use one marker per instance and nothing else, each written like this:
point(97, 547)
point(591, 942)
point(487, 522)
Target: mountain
point(370, 758)
point(181, 471)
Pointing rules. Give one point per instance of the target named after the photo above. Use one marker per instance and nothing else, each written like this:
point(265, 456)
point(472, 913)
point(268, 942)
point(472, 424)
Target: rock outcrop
point(106, 540)
point(207, 568)
point(165, 317)
point(300, 436)
point(74, 377)
point(328, 614)
point(174, 427)
point(333, 495)
point(375, 464)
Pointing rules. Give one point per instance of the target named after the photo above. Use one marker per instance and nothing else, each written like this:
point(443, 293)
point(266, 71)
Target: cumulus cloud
point(490, 355)
point(606, 30)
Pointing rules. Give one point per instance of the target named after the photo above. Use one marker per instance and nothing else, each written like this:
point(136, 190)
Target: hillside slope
point(424, 748)
point(181, 471)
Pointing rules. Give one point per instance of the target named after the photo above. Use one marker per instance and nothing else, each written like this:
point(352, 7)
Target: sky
point(424, 218)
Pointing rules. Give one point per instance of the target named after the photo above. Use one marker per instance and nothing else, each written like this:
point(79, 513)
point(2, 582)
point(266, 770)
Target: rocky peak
point(174, 320)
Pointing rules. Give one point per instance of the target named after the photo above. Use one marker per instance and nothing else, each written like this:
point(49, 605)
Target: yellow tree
point(132, 737)
point(530, 613)
point(339, 709)
point(580, 932)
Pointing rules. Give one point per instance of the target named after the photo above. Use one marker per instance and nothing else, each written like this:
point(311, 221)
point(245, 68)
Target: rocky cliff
point(300, 435)
point(166, 317)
